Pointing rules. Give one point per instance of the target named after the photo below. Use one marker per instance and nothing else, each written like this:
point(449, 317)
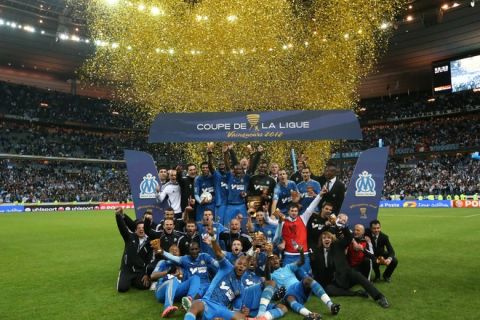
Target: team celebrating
point(240, 242)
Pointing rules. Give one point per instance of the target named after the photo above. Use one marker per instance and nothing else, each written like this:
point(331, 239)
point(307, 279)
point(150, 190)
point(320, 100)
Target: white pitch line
point(418, 216)
point(473, 215)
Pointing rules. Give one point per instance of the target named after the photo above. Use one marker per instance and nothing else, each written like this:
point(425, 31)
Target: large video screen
point(456, 75)
point(465, 73)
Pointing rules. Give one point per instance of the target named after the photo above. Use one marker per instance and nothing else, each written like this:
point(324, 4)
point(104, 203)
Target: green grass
point(64, 266)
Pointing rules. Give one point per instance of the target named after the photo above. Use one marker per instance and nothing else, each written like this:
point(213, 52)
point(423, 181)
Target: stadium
point(255, 153)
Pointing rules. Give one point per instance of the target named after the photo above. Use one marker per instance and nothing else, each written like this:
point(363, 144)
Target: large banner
point(255, 126)
point(143, 179)
point(364, 191)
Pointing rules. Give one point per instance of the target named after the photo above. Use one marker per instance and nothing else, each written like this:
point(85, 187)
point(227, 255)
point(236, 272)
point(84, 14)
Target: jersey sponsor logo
point(228, 291)
point(198, 270)
point(208, 189)
point(287, 199)
point(148, 187)
point(240, 187)
point(365, 185)
point(223, 185)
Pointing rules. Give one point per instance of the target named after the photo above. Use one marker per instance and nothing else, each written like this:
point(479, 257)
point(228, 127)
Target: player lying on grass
point(298, 292)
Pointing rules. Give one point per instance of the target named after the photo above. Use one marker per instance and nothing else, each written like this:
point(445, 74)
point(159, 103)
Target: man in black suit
point(136, 256)
point(336, 188)
point(383, 251)
point(330, 268)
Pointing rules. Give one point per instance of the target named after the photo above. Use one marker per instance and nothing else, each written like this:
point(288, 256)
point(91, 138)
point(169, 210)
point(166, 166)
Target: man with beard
point(191, 235)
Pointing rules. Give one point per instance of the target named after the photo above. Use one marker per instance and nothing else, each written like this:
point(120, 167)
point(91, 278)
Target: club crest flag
point(255, 126)
point(364, 191)
point(144, 180)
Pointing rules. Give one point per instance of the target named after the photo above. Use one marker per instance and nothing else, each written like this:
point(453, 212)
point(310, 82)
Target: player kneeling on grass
point(136, 256)
point(173, 282)
point(226, 290)
point(298, 291)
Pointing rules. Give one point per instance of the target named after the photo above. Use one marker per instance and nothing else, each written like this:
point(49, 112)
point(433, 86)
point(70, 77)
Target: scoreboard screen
point(456, 75)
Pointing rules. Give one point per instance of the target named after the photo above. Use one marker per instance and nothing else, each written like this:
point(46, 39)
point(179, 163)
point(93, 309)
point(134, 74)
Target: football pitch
point(65, 266)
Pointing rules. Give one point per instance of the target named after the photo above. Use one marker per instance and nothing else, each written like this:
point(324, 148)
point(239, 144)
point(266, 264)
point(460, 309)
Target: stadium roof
point(432, 34)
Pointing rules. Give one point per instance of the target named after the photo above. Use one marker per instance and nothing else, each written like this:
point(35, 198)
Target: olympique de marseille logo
point(148, 187)
point(365, 185)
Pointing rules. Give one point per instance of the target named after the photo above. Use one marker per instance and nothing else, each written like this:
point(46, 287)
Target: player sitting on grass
point(298, 292)
point(173, 282)
point(196, 263)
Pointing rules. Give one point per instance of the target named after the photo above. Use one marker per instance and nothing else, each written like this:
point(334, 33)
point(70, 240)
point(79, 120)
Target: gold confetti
point(238, 55)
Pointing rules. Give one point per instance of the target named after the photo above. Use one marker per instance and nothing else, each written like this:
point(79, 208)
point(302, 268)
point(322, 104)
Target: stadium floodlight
point(472, 3)
point(111, 2)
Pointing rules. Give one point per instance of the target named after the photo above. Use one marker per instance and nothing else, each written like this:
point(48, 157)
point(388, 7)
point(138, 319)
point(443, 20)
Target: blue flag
point(143, 179)
point(364, 191)
point(255, 126)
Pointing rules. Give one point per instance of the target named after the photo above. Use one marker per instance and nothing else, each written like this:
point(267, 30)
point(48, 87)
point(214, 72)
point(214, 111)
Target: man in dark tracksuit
point(136, 256)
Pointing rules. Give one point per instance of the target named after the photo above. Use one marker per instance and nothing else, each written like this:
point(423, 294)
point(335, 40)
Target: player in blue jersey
point(260, 225)
point(259, 292)
point(282, 194)
point(173, 282)
point(298, 291)
point(308, 189)
point(204, 183)
point(203, 227)
point(219, 180)
point(195, 264)
point(225, 291)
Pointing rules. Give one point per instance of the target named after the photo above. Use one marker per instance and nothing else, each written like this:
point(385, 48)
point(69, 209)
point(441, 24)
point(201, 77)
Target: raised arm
point(122, 227)
point(147, 226)
point(210, 157)
point(311, 208)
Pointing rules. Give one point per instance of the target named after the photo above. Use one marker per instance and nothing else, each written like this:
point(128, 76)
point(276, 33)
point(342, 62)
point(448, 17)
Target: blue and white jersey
point(198, 266)
point(226, 287)
point(204, 184)
point(305, 199)
point(250, 278)
point(232, 257)
point(282, 194)
point(164, 265)
point(221, 188)
point(267, 229)
point(217, 228)
point(235, 188)
point(285, 276)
